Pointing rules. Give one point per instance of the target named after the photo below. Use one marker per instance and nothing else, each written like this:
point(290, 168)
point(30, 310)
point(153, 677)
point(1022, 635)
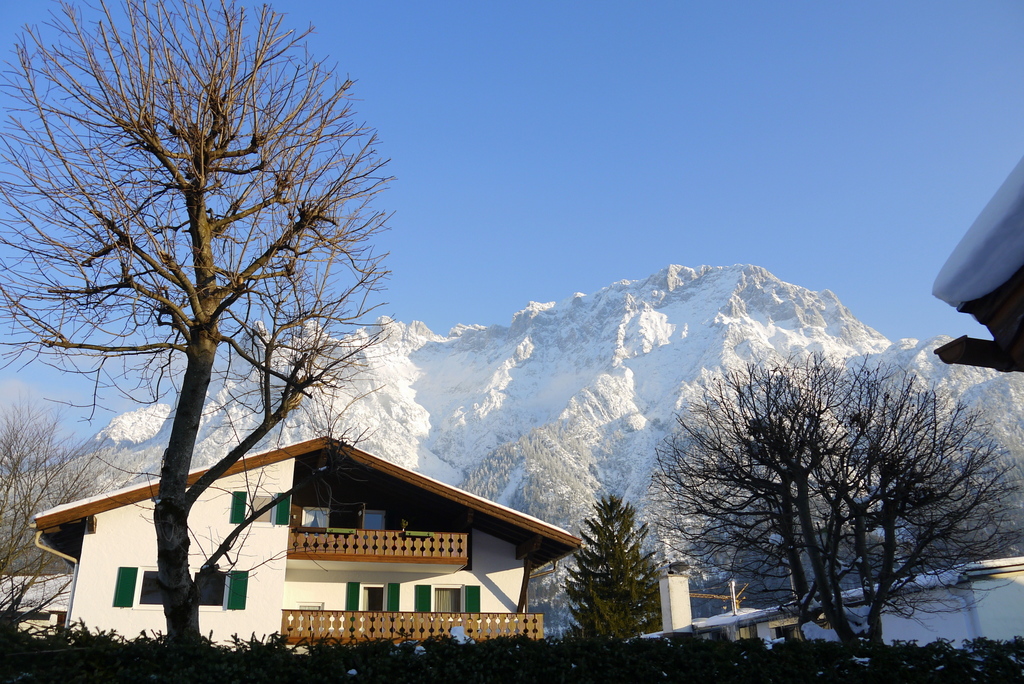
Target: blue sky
point(544, 148)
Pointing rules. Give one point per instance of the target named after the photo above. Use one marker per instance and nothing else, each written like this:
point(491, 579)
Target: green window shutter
point(124, 590)
point(238, 584)
point(283, 511)
point(422, 598)
point(472, 598)
point(237, 507)
point(393, 595)
point(352, 596)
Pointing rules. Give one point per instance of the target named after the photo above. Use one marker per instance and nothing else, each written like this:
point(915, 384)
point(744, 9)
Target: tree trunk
point(829, 595)
point(180, 595)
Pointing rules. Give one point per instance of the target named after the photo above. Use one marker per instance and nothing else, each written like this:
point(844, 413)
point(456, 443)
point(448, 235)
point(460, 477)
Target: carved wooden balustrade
point(344, 626)
point(396, 546)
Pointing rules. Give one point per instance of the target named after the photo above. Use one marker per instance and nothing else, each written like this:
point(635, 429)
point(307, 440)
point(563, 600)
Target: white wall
point(950, 615)
point(1001, 606)
point(991, 608)
point(125, 537)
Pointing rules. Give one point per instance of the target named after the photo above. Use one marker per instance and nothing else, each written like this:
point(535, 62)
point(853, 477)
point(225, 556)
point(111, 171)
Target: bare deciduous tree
point(188, 199)
point(39, 468)
point(851, 486)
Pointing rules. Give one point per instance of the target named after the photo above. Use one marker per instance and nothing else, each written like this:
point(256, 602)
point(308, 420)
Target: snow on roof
point(728, 618)
point(991, 251)
point(148, 480)
point(995, 566)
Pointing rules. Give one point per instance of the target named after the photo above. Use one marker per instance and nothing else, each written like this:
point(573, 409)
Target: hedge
point(78, 656)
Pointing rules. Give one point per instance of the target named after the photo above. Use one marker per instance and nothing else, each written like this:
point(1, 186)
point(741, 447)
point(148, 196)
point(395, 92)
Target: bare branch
point(187, 197)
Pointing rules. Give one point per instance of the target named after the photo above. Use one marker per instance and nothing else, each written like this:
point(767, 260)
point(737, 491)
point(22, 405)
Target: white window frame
point(460, 588)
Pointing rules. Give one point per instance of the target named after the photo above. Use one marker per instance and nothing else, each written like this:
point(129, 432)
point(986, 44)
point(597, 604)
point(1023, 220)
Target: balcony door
point(373, 599)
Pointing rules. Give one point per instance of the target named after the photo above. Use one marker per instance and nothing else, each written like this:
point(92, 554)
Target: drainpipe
point(39, 544)
point(542, 573)
point(71, 559)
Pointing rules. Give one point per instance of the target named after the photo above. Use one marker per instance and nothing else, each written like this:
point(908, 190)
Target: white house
point(983, 599)
point(371, 550)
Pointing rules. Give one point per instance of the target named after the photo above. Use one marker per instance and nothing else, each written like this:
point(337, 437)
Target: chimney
point(675, 599)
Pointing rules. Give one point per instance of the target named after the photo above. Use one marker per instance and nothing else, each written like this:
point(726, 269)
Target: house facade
point(359, 548)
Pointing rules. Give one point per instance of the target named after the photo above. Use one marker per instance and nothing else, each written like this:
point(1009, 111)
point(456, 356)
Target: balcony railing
point(379, 546)
point(345, 626)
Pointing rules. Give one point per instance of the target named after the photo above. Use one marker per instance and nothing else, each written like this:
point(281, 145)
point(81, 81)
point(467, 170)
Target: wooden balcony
point(379, 546)
point(344, 626)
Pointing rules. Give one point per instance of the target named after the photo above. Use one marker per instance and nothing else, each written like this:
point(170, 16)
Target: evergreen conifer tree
point(613, 590)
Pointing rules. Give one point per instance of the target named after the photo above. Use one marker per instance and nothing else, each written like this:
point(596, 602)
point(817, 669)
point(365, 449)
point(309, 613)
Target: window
point(373, 520)
point(373, 599)
point(240, 508)
point(315, 517)
point(211, 589)
point(259, 502)
point(447, 600)
point(150, 594)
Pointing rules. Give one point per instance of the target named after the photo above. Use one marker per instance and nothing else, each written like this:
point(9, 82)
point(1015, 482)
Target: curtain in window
point(446, 600)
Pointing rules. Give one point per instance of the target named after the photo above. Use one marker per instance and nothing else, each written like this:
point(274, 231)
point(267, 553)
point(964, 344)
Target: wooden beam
point(524, 589)
point(529, 546)
point(968, 351)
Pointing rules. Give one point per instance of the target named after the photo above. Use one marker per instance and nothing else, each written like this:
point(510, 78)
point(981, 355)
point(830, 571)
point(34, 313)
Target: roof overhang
point(1002, 312)
point(984, 276)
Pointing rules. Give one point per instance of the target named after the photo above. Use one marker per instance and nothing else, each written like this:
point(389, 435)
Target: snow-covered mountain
point(571, 398)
